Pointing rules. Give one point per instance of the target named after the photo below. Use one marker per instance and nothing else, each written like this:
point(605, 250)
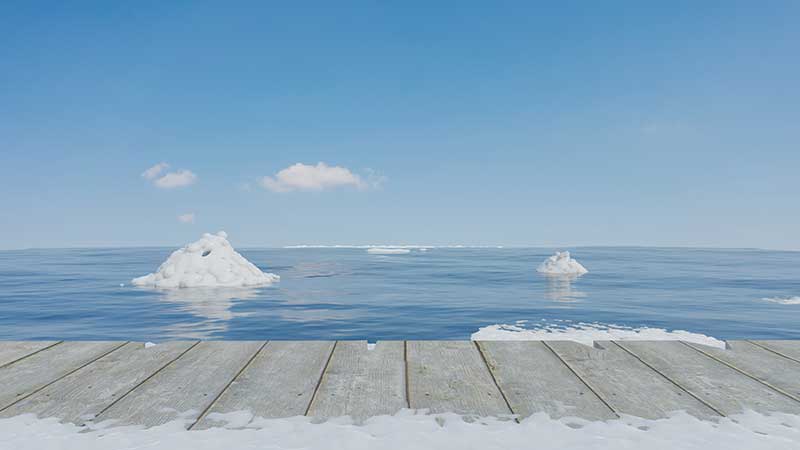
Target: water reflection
point(212, 305)
point(559, 288)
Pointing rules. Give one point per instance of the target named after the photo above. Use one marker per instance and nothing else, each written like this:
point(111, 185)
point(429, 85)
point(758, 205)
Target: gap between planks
point(31, 354)
point(773, 351)
point(743, 372)
point(146, 379)
point(585, 382)
point(494, 379)
point(210, 405)
point(62, 376)
point(697, 397)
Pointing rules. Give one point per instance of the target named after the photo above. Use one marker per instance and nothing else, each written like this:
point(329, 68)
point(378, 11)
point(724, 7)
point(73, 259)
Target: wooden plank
point(11, 351)
point(362, 383)
point(450, 376)
point(80, 396)
point(770, 368)
point(625, 383)
point(185, 388)
point(279, 382)
point(724, 388)
point(36, 371)
point(790, 349)
point(534, 379)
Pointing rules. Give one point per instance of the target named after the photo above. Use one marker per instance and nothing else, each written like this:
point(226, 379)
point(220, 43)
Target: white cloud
point(303, 177)
point(186, 218)
point(155, 170)
point(180, 178)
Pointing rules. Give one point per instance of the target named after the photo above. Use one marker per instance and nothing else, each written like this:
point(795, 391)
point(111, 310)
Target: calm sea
point(438, 294)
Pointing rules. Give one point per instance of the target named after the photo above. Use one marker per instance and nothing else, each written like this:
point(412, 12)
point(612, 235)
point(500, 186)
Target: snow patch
point(747, 430)
point(588, 333)
point(561, 264)
point(783, 300)
point(208, 262)
point(388, 251)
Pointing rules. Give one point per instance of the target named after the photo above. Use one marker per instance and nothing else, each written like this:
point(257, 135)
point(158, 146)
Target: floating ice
point(783, 300)
point(149, 344)
point(388, 251)
point(208, 262)
point(587, 333)
point(748, 430)
point(561, 264)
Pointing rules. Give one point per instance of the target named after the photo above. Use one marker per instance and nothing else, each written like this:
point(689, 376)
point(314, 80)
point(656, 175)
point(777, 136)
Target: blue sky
point(511, 123)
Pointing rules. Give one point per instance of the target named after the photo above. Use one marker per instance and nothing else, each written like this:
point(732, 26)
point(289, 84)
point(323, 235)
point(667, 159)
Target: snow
point(587, 333)
point(388, 251)
point(561, 264)
point(208, 262)
point(783, 300)
point(407, 430)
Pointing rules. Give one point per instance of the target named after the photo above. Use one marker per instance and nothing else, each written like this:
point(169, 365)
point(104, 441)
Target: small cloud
point(186, 218)
point(154, 171)
point(304, 177)
point(180, 178)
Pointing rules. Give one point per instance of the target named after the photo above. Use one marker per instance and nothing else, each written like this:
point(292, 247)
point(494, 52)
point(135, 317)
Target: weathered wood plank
point(533, 380)
point(625, 383)
point(81, 395)
point(11, 351)
point(450, 376)
point(768, 367)
point(279, 382)
point(185, 388)
point(362, 383)
point(727, 390)
point(790, 349)
point(36, 371)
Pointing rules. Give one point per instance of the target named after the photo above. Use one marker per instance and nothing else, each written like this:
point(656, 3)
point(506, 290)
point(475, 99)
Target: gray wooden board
point(362, 383)
point(279, 382)
point(625, 383)
point(787, 348)
point(450, 376)
point(81, 395)
point(36, 371)
point(11, 351)
point(727, 390)
point(534, 380)
point(759, 363)
point(185, 388)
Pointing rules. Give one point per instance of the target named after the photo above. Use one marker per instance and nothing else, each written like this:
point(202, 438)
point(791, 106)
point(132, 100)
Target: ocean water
point(347, 293)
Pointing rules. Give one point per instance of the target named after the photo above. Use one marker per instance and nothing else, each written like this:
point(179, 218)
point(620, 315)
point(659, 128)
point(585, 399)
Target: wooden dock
point(130, 383)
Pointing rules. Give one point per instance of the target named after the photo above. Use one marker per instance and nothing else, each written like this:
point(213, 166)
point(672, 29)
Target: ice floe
point(783, 300)
point(208, 262)
point(407, 430)
point(587, 333)
point(561, 264)
point(388, 251)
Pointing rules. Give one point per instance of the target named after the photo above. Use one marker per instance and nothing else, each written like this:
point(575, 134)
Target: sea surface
point(442, 293)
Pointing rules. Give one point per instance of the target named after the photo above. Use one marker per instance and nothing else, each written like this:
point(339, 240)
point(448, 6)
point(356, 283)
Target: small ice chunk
point(208, 262)
point(149, 344)
point(561, 264)
point(783, 300)
point(388, 251)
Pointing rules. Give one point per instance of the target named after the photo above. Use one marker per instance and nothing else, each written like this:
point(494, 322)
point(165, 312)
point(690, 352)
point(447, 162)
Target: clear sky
point(511, 123)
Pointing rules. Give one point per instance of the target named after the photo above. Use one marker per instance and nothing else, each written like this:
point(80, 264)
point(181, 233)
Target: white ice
point(783, 300)
point(208, 262)
point(388, 251)
point(561, 264)
point(587, 333)
point(406, 430)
